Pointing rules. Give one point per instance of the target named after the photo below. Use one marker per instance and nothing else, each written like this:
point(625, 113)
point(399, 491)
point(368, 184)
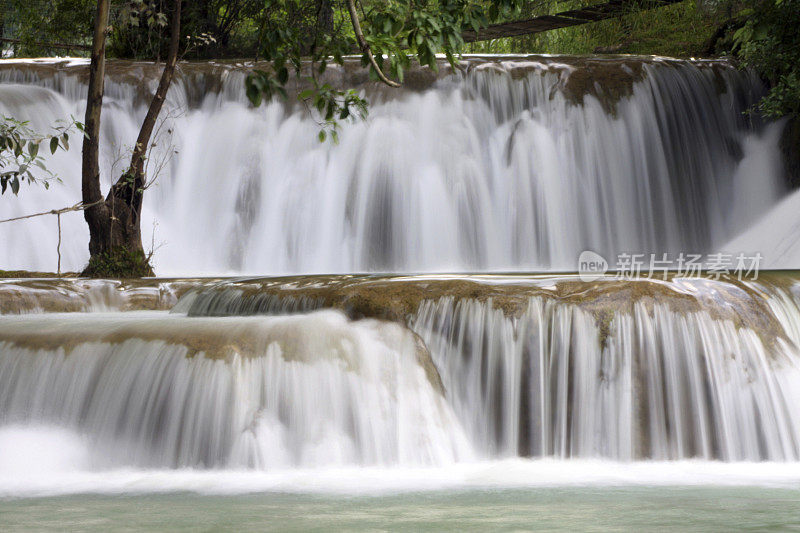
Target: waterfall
point(547, 367)
point(150, 389)
point(252, 374)
point(657, 384)
point(506, 164)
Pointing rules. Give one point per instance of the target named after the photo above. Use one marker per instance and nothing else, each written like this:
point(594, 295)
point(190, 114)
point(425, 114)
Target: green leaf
point(53, 145)
point(283, 75)
point(252, 91)
point(321, 136)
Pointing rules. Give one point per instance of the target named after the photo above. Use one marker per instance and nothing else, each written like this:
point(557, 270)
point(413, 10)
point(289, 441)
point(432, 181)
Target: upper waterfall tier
point(507, 163)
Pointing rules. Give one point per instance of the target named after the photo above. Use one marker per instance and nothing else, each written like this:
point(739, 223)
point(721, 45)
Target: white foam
point(37, 462)
point(28, 451)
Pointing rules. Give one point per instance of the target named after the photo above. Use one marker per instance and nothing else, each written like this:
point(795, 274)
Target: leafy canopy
point(302, 37)
point(769, 42)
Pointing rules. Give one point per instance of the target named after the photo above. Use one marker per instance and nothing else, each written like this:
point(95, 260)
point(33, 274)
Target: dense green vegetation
point(243, 28)
point(679, 30)
point(769, 42)
point(38, 25)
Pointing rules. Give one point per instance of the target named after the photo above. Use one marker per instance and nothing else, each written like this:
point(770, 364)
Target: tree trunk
point(115, 224)
point(125, 198)
point(97, 215)
point(2, 25)
point(324, 17)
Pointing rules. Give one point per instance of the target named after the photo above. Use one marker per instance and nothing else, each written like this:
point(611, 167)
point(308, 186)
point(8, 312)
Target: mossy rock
point(118, 263)
point(29, 274)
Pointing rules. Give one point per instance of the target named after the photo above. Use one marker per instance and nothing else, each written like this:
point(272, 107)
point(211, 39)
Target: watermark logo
point(591, 266)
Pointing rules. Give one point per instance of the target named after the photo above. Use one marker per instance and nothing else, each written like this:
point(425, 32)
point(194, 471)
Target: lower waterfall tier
point(409, 370)
point(149, 389)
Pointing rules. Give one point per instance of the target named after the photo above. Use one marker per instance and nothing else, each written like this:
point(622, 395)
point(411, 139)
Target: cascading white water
point(158, 390)
point(644, 369)
point(498, 168)
point(697, 369)
point(657, 384)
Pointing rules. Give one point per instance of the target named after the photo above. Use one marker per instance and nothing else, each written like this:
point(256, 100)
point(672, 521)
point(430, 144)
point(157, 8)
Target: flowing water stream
point(444, 373)
point(508, 164)
point(364, 400)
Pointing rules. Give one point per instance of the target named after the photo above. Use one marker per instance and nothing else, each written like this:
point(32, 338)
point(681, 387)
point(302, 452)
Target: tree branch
point(143, 141)
point(80, 206)
point(362, 43)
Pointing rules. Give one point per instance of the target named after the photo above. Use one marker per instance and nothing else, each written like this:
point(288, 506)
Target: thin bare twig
point(77, 207)
point(58, 246)
point(57, 212)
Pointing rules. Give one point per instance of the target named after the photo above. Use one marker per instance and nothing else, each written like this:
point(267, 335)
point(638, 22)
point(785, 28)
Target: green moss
point(118, 263)
point(20, 274)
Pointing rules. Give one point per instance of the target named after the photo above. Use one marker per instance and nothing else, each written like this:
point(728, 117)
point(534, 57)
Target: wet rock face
point(608, 78)
point(398, 298)
point(303, 338)
point(75, 295)
point(790, 150)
